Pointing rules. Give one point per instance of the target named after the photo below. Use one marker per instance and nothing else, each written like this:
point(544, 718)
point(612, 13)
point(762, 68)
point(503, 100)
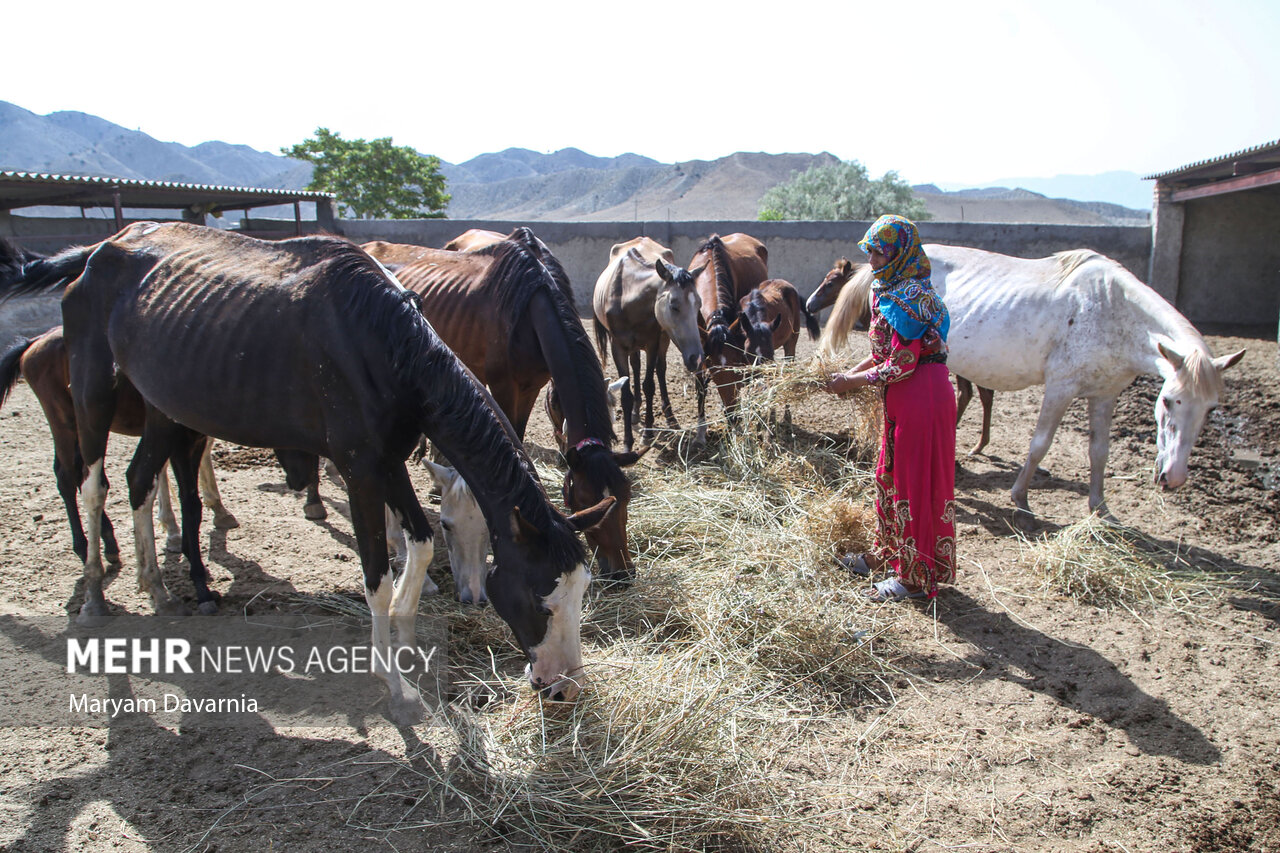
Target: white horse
point(1081, 325)
point(465, 533)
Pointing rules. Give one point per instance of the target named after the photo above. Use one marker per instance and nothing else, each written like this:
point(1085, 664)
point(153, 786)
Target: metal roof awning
point(1251, 168)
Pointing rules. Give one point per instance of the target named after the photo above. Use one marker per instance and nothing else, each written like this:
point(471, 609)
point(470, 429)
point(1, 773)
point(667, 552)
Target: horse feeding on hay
point(771, 316)
point(504, 312)
point(42, 361)
point(1081, 325)
point(641, 303)
point(731, 267)
point(855, 303)
point(307, 344)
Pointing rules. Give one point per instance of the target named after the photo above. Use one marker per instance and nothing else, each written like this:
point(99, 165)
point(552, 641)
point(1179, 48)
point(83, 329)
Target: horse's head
point(544, 607)
point(677, 308)
point(595, 474)
point(724, 340)
point(465, 533)
point(1192, 387)
point(758, 330)
point(829, 289)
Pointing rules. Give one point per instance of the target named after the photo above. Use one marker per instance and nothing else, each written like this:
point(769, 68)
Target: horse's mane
point(517, 273)
point(852, 305)
point(12, 258)
point(428, 370)
point(727, 305)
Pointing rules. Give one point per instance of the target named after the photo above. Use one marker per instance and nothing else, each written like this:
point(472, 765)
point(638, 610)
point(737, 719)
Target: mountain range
point(523, 185)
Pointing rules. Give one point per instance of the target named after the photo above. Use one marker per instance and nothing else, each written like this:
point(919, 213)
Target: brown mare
point(503, 310)
point(731, 267)
point(42, 361)
point(771, 315)
point(858, 306)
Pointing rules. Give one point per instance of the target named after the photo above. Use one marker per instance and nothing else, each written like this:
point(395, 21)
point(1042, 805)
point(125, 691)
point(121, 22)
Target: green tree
point(374, 180)
point(840, 191)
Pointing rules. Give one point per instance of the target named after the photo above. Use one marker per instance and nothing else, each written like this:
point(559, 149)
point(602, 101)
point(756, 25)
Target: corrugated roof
point(1264, 148)
point(29, 189)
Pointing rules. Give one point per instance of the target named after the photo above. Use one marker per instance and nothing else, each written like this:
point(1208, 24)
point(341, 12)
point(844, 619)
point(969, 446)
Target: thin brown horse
point(503, 310)
point(771, 317)
point(731, 267)
point(853, 310)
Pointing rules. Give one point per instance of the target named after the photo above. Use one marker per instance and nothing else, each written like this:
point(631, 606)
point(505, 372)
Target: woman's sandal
point(892, 589)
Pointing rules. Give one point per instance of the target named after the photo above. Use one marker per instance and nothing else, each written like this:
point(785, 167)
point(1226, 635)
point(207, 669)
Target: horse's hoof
point(408, 710)
point(429, 587)
point(225, 520)
point(315, 512)
point(1024, 520)
point(93, 614)
point(173, 543)
point(208, 608)
point(113, 559)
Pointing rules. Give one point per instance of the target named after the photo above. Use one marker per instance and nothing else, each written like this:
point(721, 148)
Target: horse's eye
point(446, 526)
point(543, 610)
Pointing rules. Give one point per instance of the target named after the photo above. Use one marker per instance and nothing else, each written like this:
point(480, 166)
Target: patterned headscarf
point(906, 295)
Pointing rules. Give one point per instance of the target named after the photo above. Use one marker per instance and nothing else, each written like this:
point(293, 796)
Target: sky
point(936, 90)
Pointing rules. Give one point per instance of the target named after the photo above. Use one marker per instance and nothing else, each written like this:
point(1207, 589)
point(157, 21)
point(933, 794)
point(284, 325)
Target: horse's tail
point(852, 306)
point(11, 366)
point(602, 337)
point(810, 321)
point(44, 274)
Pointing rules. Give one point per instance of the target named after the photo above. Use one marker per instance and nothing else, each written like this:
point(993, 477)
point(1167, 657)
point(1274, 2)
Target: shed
point(190, 202)
point(1215, 251)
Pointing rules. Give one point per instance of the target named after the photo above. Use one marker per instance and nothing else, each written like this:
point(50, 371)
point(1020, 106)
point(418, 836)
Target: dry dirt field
point(1022, 720)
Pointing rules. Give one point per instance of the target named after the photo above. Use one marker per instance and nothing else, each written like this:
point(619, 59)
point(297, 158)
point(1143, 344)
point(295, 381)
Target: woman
point(915, 475)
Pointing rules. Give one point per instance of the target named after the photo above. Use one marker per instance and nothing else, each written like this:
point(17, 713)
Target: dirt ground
point(1024, 721)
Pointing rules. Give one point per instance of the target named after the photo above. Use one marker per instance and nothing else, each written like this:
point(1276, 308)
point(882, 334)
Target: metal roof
point(30, 189)
point(1212, 167)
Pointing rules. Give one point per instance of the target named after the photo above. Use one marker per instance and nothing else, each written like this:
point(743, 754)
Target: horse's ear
point(631, 457)
point(664, 272)
point(442, 474)
point(586, 519)
point(1170, 355)
point(693, 275)
point(845, 266)
point(521, 530)
point(1226, 361)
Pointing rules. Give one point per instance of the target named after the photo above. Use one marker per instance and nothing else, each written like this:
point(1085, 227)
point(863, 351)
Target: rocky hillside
point(515, 184)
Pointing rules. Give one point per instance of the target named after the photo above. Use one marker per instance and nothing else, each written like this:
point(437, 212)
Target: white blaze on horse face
point(1180, 415)
point(557, 660)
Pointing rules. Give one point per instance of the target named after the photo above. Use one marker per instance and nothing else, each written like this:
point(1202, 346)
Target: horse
point(853, 310)
point(1081, 325)
point(465, 533)
point(730, 267)
point(309, 345)
point(641, 303)
point(506, 315)
point(42, 361)
point(770, 317)
point(474, 238)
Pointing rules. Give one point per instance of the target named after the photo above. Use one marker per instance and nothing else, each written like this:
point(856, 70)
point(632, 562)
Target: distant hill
point(514, 184)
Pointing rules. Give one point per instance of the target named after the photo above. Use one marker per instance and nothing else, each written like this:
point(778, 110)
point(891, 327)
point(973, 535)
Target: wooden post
point(1167, 218)
point(115, 198)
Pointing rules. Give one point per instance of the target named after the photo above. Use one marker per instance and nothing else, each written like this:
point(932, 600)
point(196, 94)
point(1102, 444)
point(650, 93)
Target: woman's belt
point(934, 358)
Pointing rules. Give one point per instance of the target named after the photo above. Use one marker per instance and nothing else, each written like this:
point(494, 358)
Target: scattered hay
point(1105, 564)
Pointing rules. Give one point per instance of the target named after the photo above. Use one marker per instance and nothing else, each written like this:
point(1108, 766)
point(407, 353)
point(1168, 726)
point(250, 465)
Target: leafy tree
point(374, 180)
point(840, 191)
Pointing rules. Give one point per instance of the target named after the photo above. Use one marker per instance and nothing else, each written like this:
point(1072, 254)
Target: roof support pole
point(1167, 218)
point(115, 200)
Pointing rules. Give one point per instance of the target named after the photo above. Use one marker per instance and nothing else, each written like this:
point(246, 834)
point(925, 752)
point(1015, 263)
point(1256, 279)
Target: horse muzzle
point(692, 361)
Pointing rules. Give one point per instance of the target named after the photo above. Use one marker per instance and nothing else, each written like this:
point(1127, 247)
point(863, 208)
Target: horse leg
point(165, 519)
point(1054, 406)
point(635, 385)
point(987, 397)
point(1101, 410)
point(67, 489)
point(413, 581)
point(367, 495)
point(223, 519)
point(660, 359)
point(94, 398)
point(700, 383)
point(154, 449)
point(314, 507)
point(621, 361)
point(964, 389)
point(396, 549)
point(649, 370)
point(188, 459)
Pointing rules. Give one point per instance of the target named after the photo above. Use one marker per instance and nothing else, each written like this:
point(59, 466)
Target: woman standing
point(915, 474)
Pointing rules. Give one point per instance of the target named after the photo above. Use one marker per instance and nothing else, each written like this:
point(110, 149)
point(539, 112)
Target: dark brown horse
point(306, 344)
point(771, 315)
point(503, 310)
point(42, 361)
point(731, 267)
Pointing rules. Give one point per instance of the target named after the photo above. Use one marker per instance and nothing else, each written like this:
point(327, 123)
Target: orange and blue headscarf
point(906, 295)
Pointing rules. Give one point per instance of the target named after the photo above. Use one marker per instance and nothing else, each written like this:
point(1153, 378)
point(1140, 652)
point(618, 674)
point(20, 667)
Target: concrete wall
point(1230, 258)
point(800, 252)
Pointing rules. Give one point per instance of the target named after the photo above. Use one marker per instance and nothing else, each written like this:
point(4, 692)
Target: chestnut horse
point(770, 317)
point(642, 302)
point(731, 267)
point(502, 310)
point(306, 344)
point(857, 305)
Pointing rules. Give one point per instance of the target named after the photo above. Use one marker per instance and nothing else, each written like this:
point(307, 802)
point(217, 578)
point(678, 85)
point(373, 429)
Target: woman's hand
point(840, 383)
